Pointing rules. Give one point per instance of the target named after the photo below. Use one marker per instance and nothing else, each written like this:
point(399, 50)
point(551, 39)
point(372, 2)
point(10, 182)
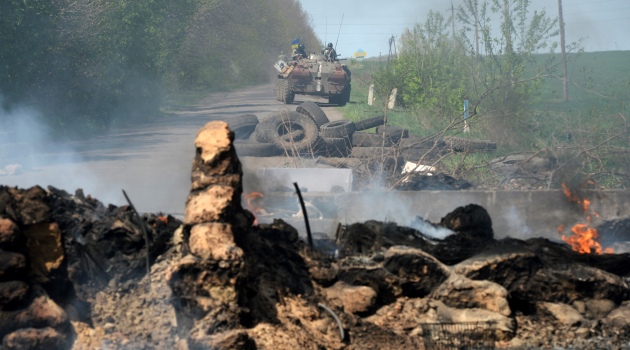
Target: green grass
point(597, 110)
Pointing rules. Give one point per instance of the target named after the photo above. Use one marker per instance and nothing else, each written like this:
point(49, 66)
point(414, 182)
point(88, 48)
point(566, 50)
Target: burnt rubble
point(73, 276)
point(57, 252)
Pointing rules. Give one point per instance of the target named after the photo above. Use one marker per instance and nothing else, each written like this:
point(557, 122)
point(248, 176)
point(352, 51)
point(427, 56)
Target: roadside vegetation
point(512, 78)
point(88, 64)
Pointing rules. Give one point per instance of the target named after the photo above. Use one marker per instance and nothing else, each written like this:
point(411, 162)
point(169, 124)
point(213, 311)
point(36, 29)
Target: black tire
point(278, 90)
point(393, 131)
point(333, 99)
point(243, 125)
point(345, 95)
point(364, 139)
point(369, 123)
point(337, 146)
point(338, 129)
point(276, 128)
point(286, 93)
point(313, 111)
point(255, 149)
point(416, 142)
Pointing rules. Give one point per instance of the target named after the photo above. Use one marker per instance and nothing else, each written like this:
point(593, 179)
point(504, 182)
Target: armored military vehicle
point(313, 76)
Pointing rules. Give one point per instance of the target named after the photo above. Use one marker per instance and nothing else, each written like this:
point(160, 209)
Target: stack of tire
point(307, 131)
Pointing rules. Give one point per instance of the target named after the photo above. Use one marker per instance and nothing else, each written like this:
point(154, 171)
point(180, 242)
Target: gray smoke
point(27, 145)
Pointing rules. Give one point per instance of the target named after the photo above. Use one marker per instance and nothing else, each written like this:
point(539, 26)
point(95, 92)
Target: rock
point(27, 207)
point(563, 313)
point(200, 180)
point(213, 143)
point(229, 340)
point(580, 306)
point(12, 266)
point(213, 204)
point(420, 272)
point(570, 282)
point(597, 309)
point(408, 314)
point(619, 317)
point(42, 312)
point(214, 241)
point(13, 295)
point(36, 338)
point(45, 249)
point(507, 265)
point(10, 235)
point(461, 292)
point(353, 299)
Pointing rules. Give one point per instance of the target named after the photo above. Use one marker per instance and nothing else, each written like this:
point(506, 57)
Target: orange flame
point(585, 238)
point(252, 205)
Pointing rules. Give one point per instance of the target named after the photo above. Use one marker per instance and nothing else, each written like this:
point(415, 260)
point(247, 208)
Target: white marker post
point(371, 95)
point(466, 128)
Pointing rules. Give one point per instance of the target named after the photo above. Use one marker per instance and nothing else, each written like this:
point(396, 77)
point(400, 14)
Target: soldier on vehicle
point(299, 52)
point(329, 53)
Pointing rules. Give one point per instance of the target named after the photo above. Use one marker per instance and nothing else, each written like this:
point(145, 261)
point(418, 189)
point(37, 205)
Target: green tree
point(503, 68)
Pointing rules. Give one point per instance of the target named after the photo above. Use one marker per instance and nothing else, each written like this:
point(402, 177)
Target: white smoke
point(429, 229)
point(27, 145)
point(519, 228)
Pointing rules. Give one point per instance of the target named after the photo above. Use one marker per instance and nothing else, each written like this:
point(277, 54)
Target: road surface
point(151, 162)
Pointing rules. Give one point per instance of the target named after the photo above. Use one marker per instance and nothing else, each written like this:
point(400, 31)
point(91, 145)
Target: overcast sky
point(368, 24)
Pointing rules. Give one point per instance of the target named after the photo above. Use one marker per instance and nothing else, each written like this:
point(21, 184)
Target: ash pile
point(73, 275)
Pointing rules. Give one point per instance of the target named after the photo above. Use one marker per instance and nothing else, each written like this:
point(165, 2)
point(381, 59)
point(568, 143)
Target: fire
point(585, 238)
point(251, 200)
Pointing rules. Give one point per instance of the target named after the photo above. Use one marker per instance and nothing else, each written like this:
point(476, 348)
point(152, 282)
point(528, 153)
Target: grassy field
point(593, 122)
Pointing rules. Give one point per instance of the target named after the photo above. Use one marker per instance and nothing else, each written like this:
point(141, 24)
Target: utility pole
point(507, 27)
point(453, 23)
point(392, 41)
point(476, 30)
point(565, 82)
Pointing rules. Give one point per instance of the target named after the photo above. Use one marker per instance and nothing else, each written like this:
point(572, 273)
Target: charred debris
point(73, 276)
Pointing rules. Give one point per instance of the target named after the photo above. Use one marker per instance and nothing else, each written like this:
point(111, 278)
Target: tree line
point(92, 62)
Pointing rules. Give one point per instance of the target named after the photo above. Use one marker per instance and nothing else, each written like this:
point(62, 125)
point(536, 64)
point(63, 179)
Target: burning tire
point(243, 125)
point(337, 146)
point(369, 123)
point(254, 149)
point(313, 111)
point(338, 129)
point(290, 131)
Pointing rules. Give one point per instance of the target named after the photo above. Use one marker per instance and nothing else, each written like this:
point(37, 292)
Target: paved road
point(151, 162)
